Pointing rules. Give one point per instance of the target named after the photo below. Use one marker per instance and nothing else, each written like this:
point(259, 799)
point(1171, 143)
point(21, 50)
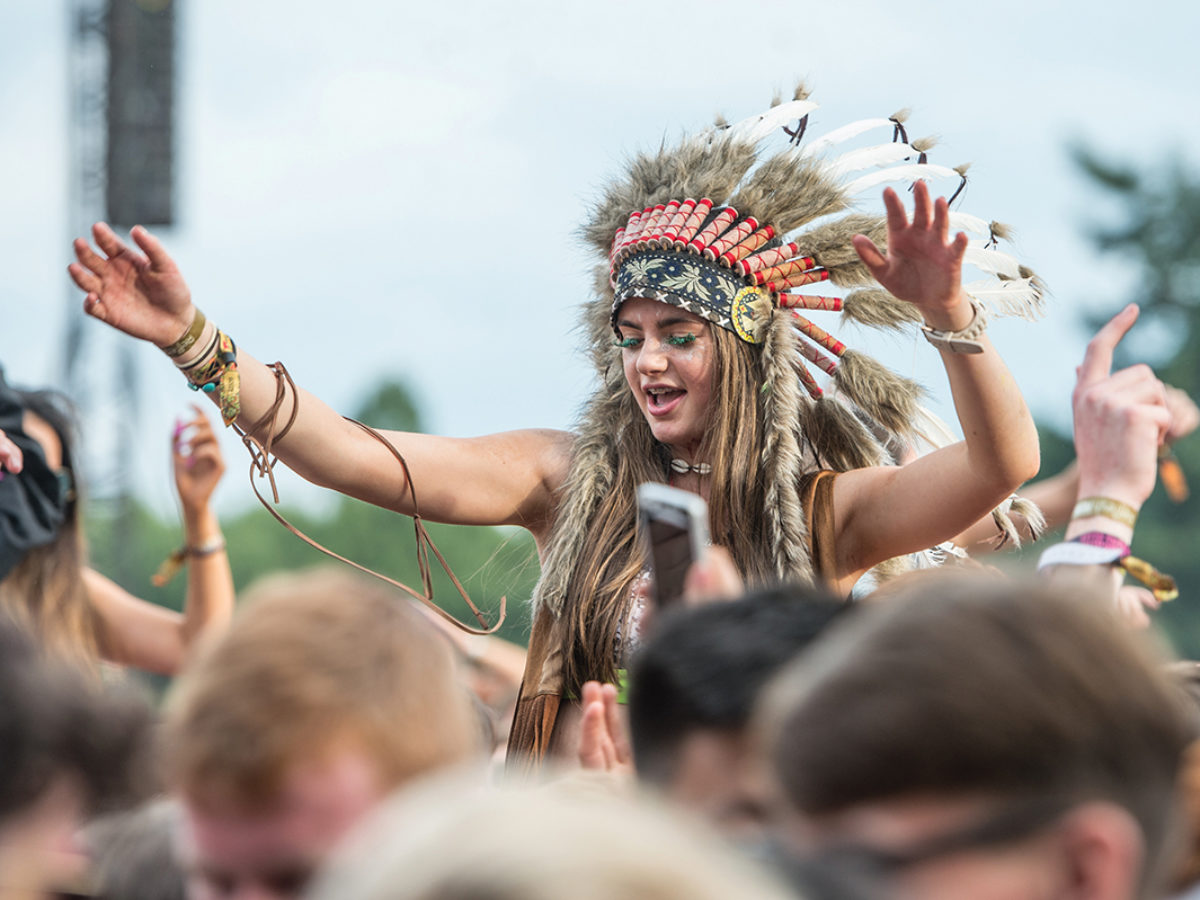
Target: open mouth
point(662, 400)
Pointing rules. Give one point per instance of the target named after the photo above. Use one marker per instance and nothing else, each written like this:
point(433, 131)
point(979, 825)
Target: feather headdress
point(743, 235)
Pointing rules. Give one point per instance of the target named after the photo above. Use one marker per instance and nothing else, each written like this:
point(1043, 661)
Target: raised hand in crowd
point(922, 264)
point(1121, 419)
point(140, 293)
point(604, 738)
point(152, 637)
point(197, 462)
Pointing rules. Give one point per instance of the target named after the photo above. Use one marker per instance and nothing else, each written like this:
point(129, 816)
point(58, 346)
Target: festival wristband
point(188, 339)
point(205, 346)
point(1160, 584)
point(174, 562)
point(1106, 507)
point(1102, 539)
point(1070, 553)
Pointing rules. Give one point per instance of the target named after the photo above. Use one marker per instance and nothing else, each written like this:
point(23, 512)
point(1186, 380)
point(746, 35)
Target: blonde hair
point(313, 661)
point(45, 591)
point(567, 840)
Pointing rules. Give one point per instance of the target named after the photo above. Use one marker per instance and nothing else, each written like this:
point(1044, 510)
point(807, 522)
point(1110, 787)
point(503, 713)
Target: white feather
point(911, 173)
point(755, 128)
point(995, 261)
point(845, 133)
point(866, 157)
point(1018, 297)
point(961, 221)
point(932, 430)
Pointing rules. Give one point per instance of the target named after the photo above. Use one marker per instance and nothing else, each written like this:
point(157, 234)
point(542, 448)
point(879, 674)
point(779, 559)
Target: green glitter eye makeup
point(680, 340)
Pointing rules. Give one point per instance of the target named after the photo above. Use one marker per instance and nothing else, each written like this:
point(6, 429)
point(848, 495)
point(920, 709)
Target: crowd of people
point(846, 701)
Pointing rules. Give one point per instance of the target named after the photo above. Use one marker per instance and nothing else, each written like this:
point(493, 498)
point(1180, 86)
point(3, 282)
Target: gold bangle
point(1107, 507)
point(188, 338)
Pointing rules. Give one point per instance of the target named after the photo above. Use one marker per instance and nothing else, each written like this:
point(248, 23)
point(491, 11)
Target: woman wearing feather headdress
point(700, 333)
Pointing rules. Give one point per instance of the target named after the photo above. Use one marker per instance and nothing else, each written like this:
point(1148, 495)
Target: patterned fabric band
point(217, 372)
point(188, 339)
point(1106, 507)
point(1073, 553)
point(1160, 584)
point(1069, 553)
point(1102, 539)
point(680, 279)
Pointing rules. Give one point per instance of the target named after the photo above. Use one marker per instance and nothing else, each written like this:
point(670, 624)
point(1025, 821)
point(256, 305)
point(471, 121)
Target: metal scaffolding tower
point(121, 132)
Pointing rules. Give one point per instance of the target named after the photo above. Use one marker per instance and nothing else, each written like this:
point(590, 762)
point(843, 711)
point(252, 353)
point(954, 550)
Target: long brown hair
point(599, 593)
point(45, 591)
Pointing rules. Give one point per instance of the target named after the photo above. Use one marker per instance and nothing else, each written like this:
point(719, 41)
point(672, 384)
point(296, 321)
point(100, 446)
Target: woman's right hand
point(197, 462)
point(142, 294)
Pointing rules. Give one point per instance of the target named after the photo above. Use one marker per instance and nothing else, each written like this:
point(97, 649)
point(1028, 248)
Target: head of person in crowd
point(132, 855)
point(325, 695)
point(67, 750)
point(573, 838)
point(985, 739)
point(1186, 876)
point(41, 541)
point(694, 685)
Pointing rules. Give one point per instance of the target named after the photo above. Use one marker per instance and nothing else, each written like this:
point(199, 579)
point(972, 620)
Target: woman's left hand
point(198, 462)
point(922, 264)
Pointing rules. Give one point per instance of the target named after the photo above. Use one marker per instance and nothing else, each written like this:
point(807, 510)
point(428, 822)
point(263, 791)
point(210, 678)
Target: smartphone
point(674, 525)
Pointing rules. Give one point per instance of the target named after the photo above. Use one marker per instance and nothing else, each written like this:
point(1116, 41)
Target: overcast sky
point(376, 189)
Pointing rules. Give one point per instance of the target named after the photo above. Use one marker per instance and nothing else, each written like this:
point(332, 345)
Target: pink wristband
point(1102, 539)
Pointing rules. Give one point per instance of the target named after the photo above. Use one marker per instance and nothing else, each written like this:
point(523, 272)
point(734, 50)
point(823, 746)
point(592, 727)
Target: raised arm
point(145, 635)
point(1056, 496)
point(1121, 419)
point(500, 479)
point(885, 512)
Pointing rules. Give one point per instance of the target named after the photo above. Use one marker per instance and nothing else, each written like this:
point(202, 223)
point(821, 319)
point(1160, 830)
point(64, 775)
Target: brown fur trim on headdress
point(788, 191)
point(784, 462)
point(888, 398)
point(876, 308)
point(842, 442)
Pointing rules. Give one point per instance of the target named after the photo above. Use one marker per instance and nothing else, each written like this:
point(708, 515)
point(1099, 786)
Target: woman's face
point(43, 432)
point(668, 358)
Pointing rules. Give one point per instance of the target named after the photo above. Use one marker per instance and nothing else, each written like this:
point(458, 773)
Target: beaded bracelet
point(217, 371)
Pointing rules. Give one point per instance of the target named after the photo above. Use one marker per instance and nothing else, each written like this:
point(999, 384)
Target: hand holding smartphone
point(674, 525)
